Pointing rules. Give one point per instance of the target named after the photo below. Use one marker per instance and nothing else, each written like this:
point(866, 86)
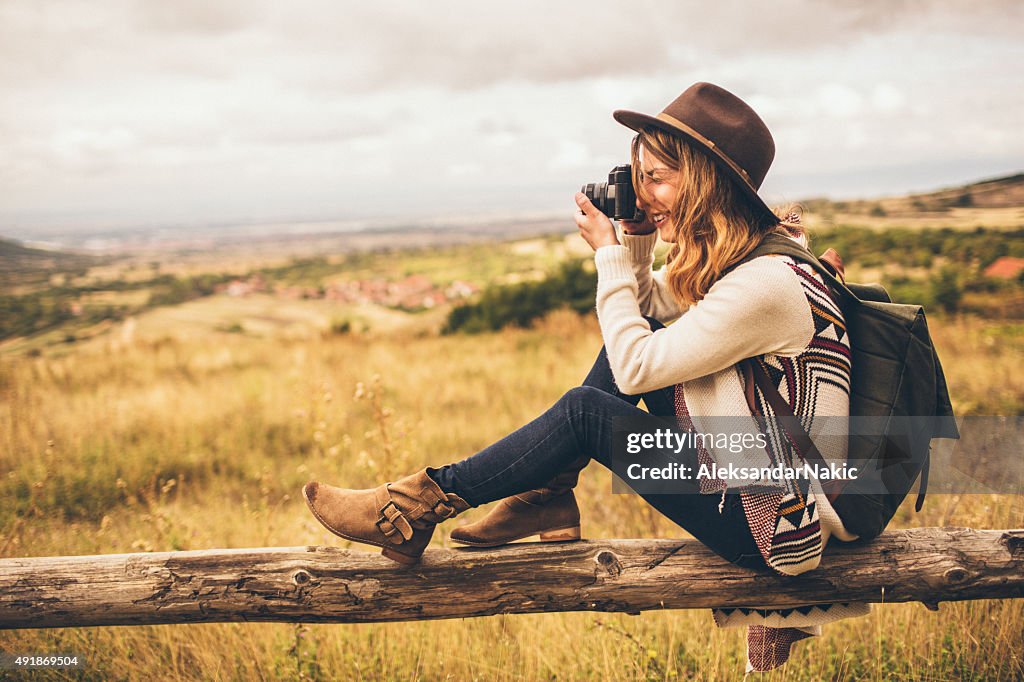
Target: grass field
point(221, 409)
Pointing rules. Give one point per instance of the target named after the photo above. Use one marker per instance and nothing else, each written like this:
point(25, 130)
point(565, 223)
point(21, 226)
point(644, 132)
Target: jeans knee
point(581, 395)
point(575, 404)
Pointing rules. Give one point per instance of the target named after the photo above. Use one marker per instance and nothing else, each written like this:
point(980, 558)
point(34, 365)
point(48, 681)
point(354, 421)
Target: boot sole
point(568, 534)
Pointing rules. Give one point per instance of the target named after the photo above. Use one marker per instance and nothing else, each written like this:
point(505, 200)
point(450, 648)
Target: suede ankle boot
point(550, 512)
point(398, 517)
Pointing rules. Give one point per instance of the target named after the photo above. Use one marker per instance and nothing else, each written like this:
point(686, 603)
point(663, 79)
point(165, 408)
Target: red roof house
point(1006, 267)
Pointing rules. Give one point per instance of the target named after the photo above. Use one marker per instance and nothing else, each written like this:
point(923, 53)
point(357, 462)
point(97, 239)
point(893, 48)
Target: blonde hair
point(713, 223)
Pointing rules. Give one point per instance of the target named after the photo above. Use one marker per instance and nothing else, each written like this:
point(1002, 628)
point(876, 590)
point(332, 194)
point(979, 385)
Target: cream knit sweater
point(758, 308)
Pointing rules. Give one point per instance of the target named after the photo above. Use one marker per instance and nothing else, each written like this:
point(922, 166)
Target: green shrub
point(946, 289)
point(518, 305)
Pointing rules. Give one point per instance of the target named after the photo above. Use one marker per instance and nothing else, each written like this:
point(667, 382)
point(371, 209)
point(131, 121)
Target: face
point(661, 185)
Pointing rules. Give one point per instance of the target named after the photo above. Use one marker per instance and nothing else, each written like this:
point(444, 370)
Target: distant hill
point(1004, 192)
point(996, 193)
point(23, 266)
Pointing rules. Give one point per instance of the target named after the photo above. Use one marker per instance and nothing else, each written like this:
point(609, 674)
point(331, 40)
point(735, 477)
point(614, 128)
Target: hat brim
point(637, 121)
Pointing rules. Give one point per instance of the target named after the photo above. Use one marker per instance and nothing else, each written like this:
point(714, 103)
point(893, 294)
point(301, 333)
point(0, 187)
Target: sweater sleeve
point(653, 295)
point(759, 307)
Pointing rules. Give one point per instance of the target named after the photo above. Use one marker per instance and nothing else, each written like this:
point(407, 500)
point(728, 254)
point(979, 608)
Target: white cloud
point(570, 155)
point(886, 98)
point(839, 101)
point(213, 109)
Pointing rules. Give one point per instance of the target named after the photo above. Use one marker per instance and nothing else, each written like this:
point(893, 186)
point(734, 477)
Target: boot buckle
point(392, 521)
point(444, 510)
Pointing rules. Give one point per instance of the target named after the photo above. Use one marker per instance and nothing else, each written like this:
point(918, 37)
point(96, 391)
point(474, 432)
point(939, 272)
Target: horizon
point(335, 225)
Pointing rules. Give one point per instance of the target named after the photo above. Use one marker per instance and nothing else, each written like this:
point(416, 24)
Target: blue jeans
point(581, 422)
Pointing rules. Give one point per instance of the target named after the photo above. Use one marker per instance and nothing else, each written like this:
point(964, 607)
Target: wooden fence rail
point(333, 585)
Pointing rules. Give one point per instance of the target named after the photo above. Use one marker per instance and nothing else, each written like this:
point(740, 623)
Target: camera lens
point(597, 192)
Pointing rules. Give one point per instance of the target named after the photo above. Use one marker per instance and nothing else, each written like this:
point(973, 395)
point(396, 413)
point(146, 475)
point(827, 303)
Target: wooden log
point(333, 585)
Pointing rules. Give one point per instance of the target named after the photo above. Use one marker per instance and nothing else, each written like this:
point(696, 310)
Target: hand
point(595, 227)
point(644, 226)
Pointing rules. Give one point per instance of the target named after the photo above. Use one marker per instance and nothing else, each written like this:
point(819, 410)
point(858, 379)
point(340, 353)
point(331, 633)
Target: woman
point(697, 168)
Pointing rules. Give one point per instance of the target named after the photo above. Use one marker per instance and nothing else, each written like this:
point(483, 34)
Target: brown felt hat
point(722, 125)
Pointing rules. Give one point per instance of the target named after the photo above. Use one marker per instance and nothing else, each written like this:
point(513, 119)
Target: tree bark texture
point(334, 585)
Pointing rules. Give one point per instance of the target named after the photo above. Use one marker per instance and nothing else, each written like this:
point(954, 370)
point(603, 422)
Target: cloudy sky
point(120, 112)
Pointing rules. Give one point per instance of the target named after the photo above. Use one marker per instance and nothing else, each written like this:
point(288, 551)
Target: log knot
point(955, 575)
point(1014, 540)
point(610, 563)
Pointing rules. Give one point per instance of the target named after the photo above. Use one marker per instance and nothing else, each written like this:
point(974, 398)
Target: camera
point(615, 198)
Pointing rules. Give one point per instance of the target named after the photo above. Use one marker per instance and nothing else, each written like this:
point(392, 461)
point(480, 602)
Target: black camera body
point(615, 198)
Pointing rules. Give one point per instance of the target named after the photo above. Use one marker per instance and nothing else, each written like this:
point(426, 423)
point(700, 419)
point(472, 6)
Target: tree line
point(954, 259)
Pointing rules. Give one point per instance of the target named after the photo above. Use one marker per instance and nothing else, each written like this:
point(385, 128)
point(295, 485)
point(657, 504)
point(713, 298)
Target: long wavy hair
point(713, 223)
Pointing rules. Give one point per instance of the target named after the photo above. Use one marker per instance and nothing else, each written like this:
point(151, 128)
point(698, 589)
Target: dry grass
point(119, 447)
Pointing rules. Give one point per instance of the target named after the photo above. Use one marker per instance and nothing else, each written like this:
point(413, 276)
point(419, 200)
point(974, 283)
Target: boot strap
point(391, 520)
point(440, 504)
point(430, 502)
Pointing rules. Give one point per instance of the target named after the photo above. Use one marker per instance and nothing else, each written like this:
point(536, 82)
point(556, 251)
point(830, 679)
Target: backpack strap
point(834, 264)
point(830, 267)
point(797, 435)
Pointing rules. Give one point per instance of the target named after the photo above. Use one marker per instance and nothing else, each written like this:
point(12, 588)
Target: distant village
point(414, 292)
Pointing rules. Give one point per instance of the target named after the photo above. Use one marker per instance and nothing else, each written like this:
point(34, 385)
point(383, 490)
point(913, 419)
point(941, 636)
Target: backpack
point(896, 382)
